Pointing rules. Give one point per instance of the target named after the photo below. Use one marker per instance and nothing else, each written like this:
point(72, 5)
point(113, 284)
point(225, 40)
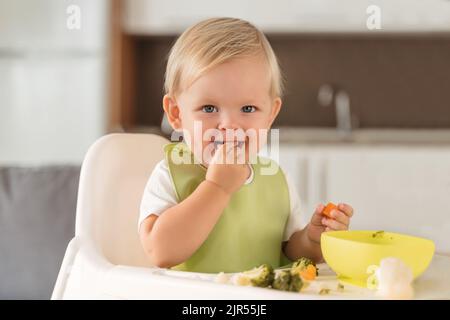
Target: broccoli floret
point(282, 280)
point(261, 276)
point(286, 281)
point(301, 265)
point(296, 283)
point(303, 262)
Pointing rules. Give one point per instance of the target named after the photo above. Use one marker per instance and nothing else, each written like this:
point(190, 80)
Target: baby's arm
point(299, 245)
point(172, 237)
point(178, 232)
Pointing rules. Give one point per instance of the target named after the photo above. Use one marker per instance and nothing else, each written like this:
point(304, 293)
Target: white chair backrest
point(112, 181)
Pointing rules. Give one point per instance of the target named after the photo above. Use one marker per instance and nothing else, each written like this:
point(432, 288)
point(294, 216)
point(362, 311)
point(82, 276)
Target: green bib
point(250, 230)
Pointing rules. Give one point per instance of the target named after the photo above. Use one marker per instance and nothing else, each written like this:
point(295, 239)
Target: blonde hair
point(212, 42)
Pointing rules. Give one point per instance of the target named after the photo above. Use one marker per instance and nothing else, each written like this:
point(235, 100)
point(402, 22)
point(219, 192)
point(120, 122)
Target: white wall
point(173, 16)
point(53, 89)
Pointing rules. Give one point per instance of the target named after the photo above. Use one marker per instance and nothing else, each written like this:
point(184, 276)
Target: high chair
point(105, 259)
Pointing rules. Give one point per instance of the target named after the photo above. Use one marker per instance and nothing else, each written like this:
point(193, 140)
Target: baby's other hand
point(320, 223)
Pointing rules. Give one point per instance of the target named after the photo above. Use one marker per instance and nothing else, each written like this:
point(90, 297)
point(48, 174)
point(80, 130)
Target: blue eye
point(248, 109)
point(209, 109)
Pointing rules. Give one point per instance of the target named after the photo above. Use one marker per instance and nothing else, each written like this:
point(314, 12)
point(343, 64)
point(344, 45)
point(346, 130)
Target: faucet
point(326, 96)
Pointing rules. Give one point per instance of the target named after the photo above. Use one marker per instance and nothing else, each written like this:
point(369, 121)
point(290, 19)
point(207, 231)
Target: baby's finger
point(319, 208)
point(240, 155)
point(347, 209)
point(317, 217)
point(234, 154)
point(219, 154)
point(333, 224)
point(340, 216)
point(229, 145)
point(225, 153)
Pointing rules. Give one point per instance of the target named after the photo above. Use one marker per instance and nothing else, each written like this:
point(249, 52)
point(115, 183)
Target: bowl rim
point(331, 234)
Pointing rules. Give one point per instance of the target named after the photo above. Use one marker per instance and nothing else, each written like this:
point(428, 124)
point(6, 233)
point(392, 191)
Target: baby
point(208, 206)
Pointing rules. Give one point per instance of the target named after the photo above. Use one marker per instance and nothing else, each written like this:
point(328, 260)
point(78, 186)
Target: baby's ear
point(276, 107)
point(172, 111)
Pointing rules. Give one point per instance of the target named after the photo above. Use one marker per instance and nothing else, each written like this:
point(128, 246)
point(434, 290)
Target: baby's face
point(234, 95)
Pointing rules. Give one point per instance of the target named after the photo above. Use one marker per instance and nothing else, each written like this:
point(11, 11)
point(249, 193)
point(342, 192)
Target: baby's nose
point(228, 125)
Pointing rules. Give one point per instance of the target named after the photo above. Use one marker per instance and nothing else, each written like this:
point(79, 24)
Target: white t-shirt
point(159, 195)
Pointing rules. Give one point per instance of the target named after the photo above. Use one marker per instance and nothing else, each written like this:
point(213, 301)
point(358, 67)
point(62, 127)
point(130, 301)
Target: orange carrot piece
point(327, 211)
point(309, 273)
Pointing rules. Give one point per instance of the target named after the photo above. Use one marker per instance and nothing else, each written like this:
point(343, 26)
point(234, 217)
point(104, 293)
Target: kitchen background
point(365, 119)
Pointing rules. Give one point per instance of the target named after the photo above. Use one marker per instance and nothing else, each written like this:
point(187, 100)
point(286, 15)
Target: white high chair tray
point(87, 275)
point(433, 284)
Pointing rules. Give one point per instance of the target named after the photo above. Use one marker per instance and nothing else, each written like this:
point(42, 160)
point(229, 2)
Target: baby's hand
point(319, 223)
point(225, 170)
